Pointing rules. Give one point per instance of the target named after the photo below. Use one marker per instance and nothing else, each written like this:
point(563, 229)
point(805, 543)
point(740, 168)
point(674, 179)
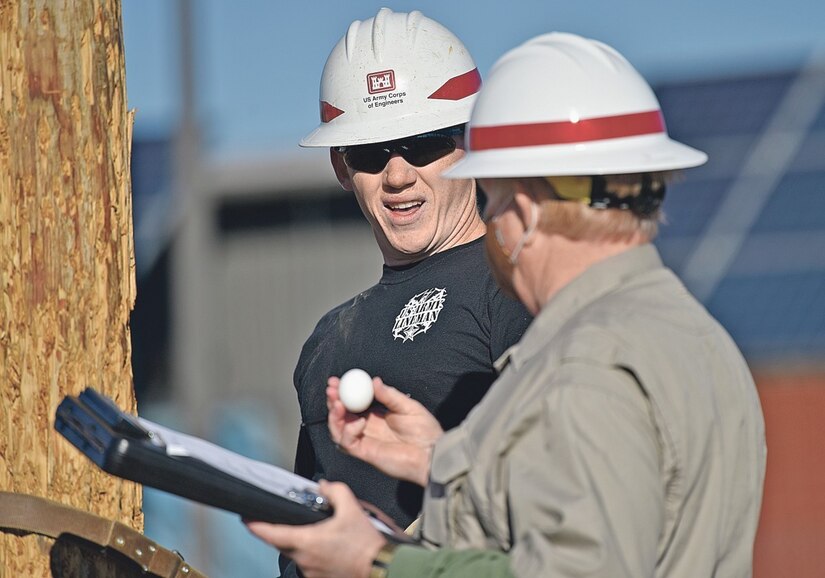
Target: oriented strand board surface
point(66, 251)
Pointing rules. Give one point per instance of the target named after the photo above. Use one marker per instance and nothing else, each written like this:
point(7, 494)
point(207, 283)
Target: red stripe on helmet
point(566, 132)
point(329, 112)
point(459, 87)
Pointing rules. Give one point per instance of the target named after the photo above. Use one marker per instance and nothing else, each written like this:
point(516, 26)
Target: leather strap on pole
point(48, 518)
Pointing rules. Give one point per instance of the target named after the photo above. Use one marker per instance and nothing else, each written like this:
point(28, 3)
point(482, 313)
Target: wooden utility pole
point(66, 254)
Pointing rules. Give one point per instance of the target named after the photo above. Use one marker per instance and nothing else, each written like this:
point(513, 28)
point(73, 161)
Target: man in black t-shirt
point(396, 92)
point(435, 328)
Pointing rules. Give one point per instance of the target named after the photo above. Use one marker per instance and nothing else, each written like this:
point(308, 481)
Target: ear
point(341, 169)
point(525, 204)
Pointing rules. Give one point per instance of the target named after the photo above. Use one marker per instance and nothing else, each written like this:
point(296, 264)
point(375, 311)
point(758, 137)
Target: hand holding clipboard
point(139, 450)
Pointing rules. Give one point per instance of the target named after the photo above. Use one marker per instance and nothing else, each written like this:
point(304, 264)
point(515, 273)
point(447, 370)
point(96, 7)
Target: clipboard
point(141, 451)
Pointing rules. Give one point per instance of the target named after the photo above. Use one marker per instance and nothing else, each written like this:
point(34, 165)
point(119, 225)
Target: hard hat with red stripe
point(561, 104)
point(393, 76)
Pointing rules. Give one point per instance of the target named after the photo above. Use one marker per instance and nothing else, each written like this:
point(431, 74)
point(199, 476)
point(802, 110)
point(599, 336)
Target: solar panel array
point(771, 293)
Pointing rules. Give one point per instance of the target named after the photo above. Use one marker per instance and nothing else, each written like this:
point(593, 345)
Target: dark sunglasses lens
point(419, 151)
point(423, 150)
point(367, 158)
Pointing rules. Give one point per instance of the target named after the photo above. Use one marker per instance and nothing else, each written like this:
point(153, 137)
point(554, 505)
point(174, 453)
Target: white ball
point(355, 390)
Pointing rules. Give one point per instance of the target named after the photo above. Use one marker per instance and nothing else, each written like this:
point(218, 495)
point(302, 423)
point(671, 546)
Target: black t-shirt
point(433, 330)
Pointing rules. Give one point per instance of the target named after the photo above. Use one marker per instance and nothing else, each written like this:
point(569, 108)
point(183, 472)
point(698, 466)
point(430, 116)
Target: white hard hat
point(393, 76)
point(561, 104)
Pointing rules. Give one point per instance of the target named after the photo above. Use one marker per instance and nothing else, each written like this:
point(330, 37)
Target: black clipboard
point(135, 449)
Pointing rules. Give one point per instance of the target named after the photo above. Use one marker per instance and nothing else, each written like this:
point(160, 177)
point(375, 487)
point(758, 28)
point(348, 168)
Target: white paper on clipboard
point(265, 476)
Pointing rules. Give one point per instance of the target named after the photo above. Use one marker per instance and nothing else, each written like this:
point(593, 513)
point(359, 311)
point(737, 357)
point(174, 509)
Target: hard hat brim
point(332, 135)
point(639, 154)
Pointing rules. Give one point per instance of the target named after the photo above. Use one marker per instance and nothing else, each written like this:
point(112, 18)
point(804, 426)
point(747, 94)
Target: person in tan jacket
point(624, 436)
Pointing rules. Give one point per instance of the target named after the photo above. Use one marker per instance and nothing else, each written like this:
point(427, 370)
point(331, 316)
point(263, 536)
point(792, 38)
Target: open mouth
point(402, 208)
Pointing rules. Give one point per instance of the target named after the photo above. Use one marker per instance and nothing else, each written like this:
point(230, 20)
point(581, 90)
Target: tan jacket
point(623, 438)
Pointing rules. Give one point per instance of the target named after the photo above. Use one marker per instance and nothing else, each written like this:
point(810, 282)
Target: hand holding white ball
point(355, 390)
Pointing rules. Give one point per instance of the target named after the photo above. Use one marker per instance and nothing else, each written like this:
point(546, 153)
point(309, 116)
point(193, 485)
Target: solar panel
point(772, 296)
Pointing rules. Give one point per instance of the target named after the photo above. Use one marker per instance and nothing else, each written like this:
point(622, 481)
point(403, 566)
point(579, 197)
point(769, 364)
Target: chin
point(410, 246)
point(406, 253)
point(411, 251)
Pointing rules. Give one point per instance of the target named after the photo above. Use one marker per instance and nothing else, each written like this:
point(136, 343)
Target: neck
point(562, 260)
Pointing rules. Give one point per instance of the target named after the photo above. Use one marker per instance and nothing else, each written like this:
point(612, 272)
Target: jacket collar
point(597, 281)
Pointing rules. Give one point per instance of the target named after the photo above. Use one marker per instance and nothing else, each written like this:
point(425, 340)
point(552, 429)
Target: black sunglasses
point(418, 150)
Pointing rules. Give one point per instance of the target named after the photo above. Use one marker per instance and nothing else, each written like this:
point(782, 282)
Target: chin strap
point(37, 515)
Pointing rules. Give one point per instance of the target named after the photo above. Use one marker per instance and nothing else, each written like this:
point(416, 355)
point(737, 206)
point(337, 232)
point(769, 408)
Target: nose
point(398, 173)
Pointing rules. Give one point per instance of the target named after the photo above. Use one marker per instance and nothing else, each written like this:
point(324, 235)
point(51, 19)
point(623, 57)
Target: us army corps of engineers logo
point(419, 314)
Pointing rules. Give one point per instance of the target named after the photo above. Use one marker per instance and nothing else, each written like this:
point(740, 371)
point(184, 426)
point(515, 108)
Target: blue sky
point(259, 62)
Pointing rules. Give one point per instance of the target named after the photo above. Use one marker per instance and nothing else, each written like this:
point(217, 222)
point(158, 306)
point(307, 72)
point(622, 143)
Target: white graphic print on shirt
point(419, 314)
